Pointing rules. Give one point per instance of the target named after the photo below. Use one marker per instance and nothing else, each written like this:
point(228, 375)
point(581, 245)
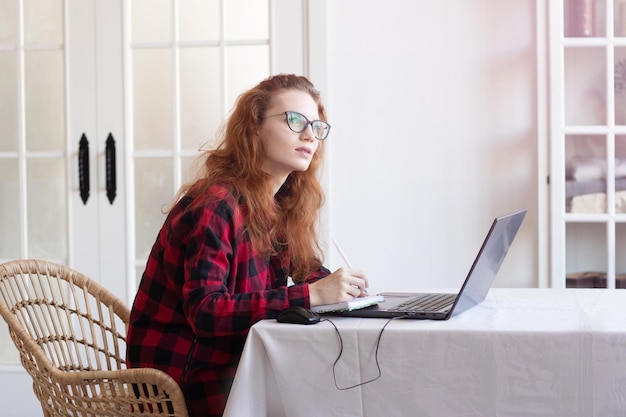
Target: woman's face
point(285, 150)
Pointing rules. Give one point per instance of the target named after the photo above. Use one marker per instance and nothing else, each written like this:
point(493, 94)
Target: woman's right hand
point(344, 284)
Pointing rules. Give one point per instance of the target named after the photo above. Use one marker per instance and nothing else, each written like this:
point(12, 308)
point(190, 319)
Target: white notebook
point(355, 304)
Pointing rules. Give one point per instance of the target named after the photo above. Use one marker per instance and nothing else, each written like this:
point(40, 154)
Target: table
point(522, 352)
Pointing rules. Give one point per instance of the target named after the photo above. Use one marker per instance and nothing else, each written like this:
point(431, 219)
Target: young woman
point(231, 240)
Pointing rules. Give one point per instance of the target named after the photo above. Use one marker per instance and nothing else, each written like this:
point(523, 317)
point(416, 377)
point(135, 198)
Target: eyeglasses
point(298, 123)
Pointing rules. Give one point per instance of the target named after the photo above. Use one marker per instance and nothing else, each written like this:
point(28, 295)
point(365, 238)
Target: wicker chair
point(71, 336)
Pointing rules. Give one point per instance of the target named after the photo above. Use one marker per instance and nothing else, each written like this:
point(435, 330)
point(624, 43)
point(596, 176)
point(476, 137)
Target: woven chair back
point(71, 335)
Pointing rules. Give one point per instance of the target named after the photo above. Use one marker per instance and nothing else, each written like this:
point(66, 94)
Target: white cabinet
point(588, 142)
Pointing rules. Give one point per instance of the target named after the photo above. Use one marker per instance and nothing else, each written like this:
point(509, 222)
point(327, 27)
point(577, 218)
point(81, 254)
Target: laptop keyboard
point(431, 302)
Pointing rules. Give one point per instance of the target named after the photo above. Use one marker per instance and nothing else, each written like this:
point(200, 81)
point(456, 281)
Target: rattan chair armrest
point(136, 390)
point(148, 376)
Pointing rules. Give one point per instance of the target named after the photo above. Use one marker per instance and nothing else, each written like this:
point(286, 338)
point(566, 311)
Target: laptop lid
point(479, 279)
point(488, 261)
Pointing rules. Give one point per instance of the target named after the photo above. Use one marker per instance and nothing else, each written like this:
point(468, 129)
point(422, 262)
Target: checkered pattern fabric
point(203, 288)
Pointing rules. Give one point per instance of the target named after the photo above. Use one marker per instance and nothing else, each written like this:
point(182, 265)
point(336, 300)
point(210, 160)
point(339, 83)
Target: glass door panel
point(620, 261)
point(47, 209)
point(151, 21)
point(152, 99)
point(202, 20)
point(44, 101)
point(585, 86)
point(153, 194)
point(585, 173)
point(246, 20)
point(241, 75)
point(584, 18)
point(619, 18)
point(9, 22)
point(9, 99)
point(200, 101)
point(586, 255)
point(10, 238)
point(43, 22)
point(619, 85)
point(620, 174)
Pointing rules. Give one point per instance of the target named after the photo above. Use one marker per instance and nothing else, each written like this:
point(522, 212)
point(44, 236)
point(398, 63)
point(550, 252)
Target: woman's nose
point(308, 133)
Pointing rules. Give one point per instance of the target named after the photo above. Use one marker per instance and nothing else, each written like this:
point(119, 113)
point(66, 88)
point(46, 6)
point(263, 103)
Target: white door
point(96, 234)
point(153, 79)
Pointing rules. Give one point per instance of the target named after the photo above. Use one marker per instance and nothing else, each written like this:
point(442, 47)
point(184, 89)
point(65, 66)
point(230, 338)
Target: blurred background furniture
point(71, 335)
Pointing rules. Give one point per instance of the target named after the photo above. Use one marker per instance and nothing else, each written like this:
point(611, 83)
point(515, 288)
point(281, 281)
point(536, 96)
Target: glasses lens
point(320, 129)
point(296, 121)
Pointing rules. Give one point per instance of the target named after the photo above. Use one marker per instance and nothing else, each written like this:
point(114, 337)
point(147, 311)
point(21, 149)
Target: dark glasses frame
point(320, 128)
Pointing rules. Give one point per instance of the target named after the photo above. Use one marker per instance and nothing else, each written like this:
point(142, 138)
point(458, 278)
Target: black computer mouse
point(298, 315)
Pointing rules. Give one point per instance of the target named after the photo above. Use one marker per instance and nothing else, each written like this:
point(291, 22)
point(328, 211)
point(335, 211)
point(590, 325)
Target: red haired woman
point(231, 240)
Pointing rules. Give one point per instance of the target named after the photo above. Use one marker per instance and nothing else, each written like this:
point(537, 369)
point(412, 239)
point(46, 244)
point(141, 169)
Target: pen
point(344, 257)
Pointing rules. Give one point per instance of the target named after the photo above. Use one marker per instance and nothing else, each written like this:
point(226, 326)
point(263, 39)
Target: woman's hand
point(344, 284)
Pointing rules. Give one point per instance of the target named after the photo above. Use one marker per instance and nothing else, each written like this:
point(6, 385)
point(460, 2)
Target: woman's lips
point(304, 150)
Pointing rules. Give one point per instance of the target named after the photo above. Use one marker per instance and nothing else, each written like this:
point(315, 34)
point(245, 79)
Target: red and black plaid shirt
point(203, 288)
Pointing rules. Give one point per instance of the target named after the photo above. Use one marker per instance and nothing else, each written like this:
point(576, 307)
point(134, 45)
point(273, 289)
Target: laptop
point(442, 306)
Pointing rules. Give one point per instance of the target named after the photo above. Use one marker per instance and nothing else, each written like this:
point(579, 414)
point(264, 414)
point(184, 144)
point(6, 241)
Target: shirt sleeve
point(317, 275)
point(225, 288)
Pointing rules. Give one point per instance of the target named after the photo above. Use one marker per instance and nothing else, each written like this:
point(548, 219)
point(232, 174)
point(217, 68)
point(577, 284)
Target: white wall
point(434, 112)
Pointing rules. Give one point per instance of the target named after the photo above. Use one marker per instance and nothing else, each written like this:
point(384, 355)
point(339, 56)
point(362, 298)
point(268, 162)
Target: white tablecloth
point(522, 352)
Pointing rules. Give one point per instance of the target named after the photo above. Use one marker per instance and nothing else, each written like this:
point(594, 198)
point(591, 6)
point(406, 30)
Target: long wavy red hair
point(285, 223)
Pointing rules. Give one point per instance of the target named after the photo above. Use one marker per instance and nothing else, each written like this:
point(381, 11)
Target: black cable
point(375, 355)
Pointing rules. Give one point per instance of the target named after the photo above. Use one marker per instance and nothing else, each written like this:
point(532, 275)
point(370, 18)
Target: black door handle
point(111, 176)
point(83, 168)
